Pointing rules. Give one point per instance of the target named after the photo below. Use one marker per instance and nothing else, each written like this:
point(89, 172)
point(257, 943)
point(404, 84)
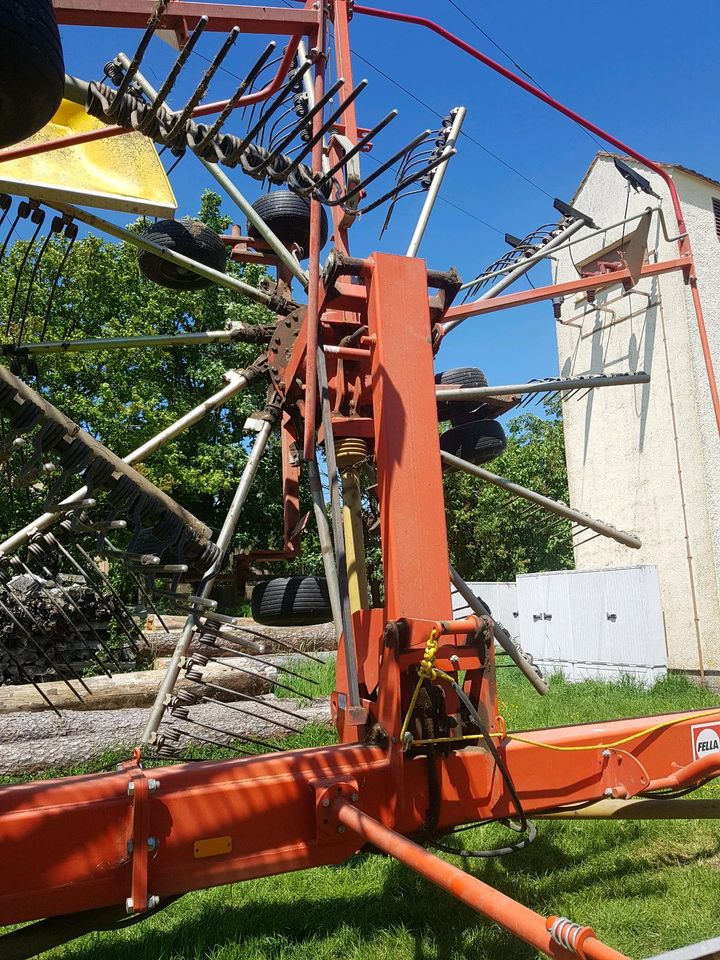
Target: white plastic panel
point(594, 623)
point(500, 597)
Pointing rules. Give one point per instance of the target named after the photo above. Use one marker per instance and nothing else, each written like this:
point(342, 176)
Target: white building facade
point(647, 458)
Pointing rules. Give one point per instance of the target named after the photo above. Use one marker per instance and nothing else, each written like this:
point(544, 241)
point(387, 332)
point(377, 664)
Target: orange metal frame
point(132, 836)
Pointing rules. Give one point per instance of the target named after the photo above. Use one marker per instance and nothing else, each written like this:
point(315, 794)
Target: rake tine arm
point(212, 131)
point(554, 506)
point(152, 26)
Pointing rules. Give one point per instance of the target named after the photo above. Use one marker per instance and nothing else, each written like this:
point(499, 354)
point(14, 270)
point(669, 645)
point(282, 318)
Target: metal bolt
point(354, 797)
point(341, 829)
point(129, 905)
point(130, 845)
point(152, 843)
point(608, 792)
point(131, 788)
point(325, 802)
point(153, 785)
point(606, 753)
point(153, 902)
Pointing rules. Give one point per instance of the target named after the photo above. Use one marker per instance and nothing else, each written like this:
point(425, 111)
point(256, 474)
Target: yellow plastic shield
point(117, 173)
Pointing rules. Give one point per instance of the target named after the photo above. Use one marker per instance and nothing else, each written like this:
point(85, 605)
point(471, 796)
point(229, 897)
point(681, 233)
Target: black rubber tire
point(191, 238)
point(32, 71)
point(479, 441)
point(459, 411)
point(288, 216)
point(291, 601)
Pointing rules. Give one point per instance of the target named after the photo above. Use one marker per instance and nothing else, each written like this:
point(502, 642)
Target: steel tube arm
point(224, 540)
point(540, 386)
point(520, 920)
point(427, 208)
point(237, 382)
point(120, 233)
point(554, 506)
point(500, 633)
point(244, 332)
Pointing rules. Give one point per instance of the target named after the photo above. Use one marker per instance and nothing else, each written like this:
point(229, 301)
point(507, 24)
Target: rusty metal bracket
point(623, 774)
point(328, 792)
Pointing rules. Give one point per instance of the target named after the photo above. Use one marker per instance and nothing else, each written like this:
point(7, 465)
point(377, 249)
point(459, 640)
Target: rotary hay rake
point(349, 368)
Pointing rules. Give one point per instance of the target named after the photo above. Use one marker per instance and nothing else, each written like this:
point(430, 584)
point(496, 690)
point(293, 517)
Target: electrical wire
point(495, 43)
point(517, 66)
point(463, 134)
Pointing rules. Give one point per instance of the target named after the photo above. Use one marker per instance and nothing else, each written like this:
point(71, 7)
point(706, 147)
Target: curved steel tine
point(71, 232)
point(169, 83)
point(11, 231)
point(55, 227)
point(5, 206)
point(350, 194)
point(445, 155)
point(227, 733)
point(38, 647)
point(244, 696)
point(297, 127)
point(232, 705)
point(255, 70)
point(38, 218)
point(152, 26)
point(147, 599)
point(207, 740)
point(394, 202)
point(52, 541)
point(252, 673)
point(267, 113)
point(362, 142)
point(178, 125)
point(212, 642)
point(230, 621)
point(329, 122)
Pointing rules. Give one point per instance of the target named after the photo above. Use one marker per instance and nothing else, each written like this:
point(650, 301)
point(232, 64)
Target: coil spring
point(568, 934)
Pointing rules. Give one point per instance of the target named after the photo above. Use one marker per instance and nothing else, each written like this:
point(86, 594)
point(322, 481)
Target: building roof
point(605, 155)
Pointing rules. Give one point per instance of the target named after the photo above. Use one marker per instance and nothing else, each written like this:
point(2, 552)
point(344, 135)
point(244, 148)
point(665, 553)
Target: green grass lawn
point(644, 887)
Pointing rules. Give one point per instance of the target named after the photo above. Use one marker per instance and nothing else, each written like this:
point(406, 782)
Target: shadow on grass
point(387, 911)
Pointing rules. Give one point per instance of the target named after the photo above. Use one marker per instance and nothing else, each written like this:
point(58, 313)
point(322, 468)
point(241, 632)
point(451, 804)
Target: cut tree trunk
point(44, 741)
point(132, 689)
point(264, 639)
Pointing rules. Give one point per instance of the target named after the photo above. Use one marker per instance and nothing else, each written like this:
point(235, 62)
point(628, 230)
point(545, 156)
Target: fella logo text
point(706, 739)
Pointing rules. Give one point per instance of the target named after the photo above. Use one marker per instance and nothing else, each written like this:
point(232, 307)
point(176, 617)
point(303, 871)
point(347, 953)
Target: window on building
point(716, 212)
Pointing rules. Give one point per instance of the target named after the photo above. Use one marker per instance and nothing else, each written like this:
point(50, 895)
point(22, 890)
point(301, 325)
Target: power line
point(515, 63)
point(494, 43)
point(463, 134)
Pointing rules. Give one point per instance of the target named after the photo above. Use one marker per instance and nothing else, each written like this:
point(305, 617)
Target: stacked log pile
point(68, 621)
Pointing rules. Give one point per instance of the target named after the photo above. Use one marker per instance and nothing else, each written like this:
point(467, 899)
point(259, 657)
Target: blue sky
point(646, 71)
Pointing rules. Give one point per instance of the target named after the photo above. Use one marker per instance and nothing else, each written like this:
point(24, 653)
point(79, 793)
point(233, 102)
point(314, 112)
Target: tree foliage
point(493, 537)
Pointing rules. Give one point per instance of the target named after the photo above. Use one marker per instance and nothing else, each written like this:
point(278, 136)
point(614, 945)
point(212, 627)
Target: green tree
point(494, 537)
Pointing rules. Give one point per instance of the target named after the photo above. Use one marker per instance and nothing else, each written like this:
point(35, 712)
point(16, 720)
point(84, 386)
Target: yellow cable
point(425, 672)
point(591, 746)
